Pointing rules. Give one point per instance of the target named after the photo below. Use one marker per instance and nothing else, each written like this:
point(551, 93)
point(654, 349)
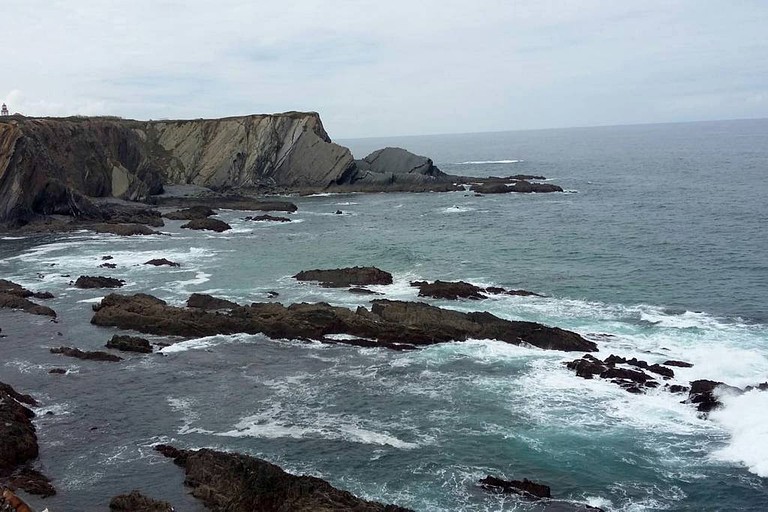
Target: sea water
point(657, 250)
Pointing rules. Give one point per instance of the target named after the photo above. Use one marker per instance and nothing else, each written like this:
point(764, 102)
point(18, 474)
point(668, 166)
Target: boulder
point(209, 303)
point(386, 322)
point(240, 483)
point(162, 261)
point(92, 356)
point(88, 282)
point(191, 213)
point(129, 344)
point(216, 225)
point(523, 487)
point(449, 290)
point(344, 277)
point(10, 301)
point(137, 502)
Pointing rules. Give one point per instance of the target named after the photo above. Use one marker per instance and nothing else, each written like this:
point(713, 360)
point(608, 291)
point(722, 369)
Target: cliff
point(52, 165)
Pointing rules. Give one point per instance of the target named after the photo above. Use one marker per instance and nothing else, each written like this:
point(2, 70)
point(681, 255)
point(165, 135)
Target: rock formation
point(129, 344)
point(239, 483)
point(86, 355)
point(137, 502)
point(343, 277)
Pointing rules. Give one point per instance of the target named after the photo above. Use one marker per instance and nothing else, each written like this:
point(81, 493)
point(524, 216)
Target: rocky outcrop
point(137, 502)
point(453, 290)
point(129, 344)
point(12, 288)
point(521, 186)
point(53, 165)
point(207, 224)
point(209, 302)
point(344, 277)
point(523, 487)
point(157, 262)
point(122, 229)
point(394, 167)
point(9, 301)
point(239, 483)
point(86, 355)
point(268, 218)
point(87, 282)
point(386, 323)
point(191, 213)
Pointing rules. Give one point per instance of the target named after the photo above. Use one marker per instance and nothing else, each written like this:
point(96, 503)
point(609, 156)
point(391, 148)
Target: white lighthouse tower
point(4, 110)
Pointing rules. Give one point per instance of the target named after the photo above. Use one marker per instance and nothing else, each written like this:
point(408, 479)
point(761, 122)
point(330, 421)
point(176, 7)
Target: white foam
point(203, 343)
point(481, 162)
point(12, 238)
point(91, 300)
point(745, 417)
point(457, 209)
point(200, 278)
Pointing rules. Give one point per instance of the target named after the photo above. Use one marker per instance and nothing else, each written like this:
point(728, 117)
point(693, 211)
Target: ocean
point(657, 250)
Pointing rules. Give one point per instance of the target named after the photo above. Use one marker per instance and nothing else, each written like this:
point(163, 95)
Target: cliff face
point(48, 165)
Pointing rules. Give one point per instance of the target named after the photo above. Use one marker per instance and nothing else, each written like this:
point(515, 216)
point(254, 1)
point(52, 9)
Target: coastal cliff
point(50, 166)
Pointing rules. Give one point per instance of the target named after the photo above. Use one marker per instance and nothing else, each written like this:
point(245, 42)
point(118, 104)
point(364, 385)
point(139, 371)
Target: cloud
point(379, 68)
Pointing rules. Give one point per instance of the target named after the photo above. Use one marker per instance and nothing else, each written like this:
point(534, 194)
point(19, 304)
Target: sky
point(390, 67)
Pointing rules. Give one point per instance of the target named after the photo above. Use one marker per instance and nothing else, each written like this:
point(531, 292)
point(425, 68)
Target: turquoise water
point(659, 242)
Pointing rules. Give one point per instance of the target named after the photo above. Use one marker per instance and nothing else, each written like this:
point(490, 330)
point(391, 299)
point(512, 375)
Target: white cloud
point(378, 68)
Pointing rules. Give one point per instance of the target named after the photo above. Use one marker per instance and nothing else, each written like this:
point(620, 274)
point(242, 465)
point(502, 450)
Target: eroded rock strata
point(387, 322)
point(239, 483)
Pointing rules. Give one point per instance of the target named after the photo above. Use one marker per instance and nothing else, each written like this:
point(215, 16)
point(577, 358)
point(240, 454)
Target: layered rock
point(239, 483)
point(387, 323)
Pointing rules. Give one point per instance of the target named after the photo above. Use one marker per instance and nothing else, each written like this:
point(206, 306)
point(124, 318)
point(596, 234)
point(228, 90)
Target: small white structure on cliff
point(4, 110)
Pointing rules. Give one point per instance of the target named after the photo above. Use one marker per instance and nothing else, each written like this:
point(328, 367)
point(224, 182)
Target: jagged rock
point(57, 371)
point(92, 356)
point(15, 302)
point(108, 265)
point(209, 303)
point(137, 502)
point(87, 282)
point(702, 393)
point(344, 277)
point(497, 290)
point(392, 167)
point(32, 482)
point(129, 344)
point(387, 321)
point(18, 441)
point(162, 261)
point(208, 224)
point(523, 487)
point(362, 291)
point(122, 229)
point(491, 188)
point(269, 218)
point(339, 212)
point(12, 288)
point(105, 258)
point(239, 483)
point(449, 290)
point(191, 213)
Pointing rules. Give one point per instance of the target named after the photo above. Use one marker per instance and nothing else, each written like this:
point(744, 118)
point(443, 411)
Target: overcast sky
point(390, 67)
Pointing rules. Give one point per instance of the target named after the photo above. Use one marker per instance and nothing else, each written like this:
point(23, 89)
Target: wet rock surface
point(86, 355)
point(207, 224)
point(191, 213)
point(11, 288)
point(239, 483)
point(87, 282)
point(387, 321)
point(122, 229)
point(137, 502)
point(129, 344)
point(157, 262)
point(209, 302)
point(452, 290)
point(9, 301)
point(523, 487)
point(344, 277)
point(268, 218)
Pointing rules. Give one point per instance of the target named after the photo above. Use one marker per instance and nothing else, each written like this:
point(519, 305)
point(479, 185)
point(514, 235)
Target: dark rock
point(387, 321)
point(122, 229)
point(208, 302)
point(676, 388)
point(105, 258)
point(235, 202)
point(344, 277)
point(79, 354)
point(207, 224)
point(491, 188)
point(12, 288)
point(679, 364)
point(18, 441)
point(32, 482)
point(339, 212)
point(137, 502)
point(107, 265)
point(497, 290)
point(449, 290)
point(162, 261)
point(129, 344)
point(19, 397)
point(625, 374)
point(362, 291)
point(272, 294)
point(191, 213)
point(98, 282)
point(587, 367)
point(528, 187)
point(239, 483)
point(702, 393)
point(269, 218)
point(9, 301)
point(664, 372)
point(523, 487)
point(57, 371)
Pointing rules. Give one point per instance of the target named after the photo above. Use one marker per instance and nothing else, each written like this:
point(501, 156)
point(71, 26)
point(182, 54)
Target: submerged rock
point(239, 483)
point(207, 224)
point(523, 487)
point(80, 354)
point(137, 502)
point(387, 322)
point(98, 282)
point(344, 277)
point(129, 344)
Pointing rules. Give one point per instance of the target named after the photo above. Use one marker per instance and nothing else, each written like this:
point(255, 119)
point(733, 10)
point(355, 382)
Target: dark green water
point(661, 243)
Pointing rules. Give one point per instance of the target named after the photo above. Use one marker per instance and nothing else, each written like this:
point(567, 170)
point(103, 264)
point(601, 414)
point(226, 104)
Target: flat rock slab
point(268, 218)
point(345, 277)
point(91, 356)
point(240, 483)
point(87, 282)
